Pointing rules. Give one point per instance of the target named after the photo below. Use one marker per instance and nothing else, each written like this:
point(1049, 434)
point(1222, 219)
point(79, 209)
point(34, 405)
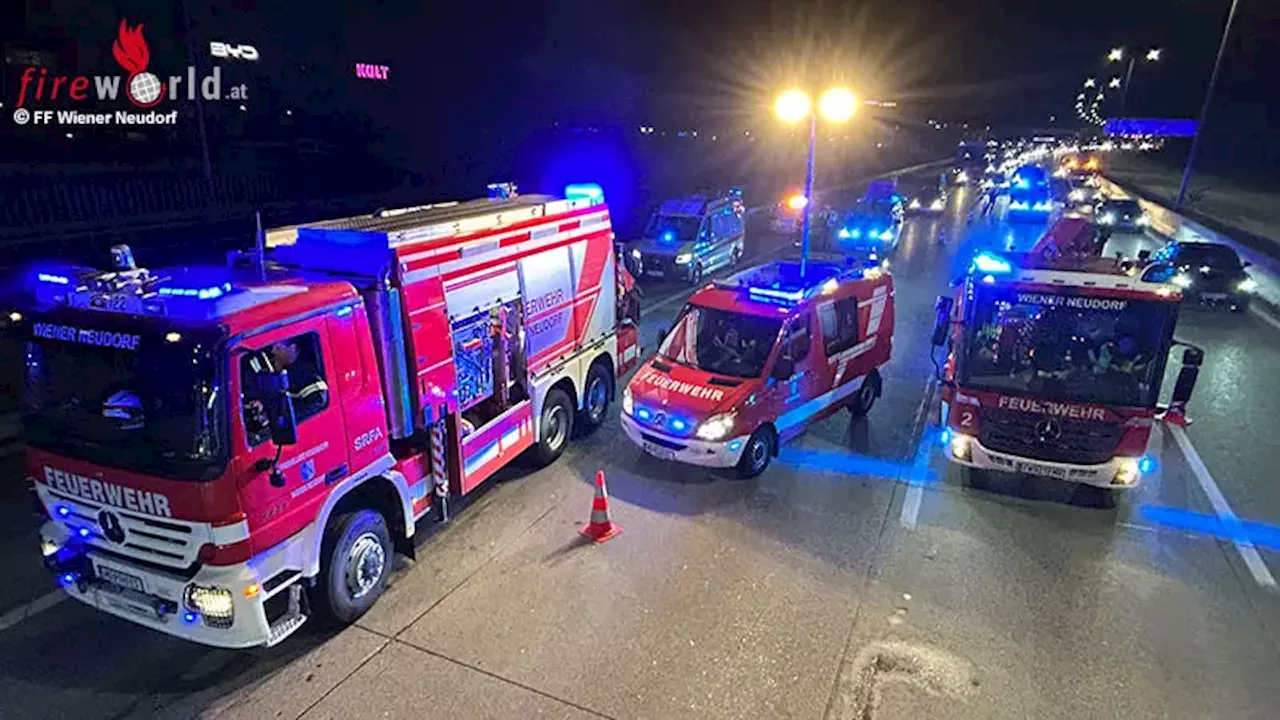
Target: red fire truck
point(223, 452)
point(753, 359)
point(1056, 361)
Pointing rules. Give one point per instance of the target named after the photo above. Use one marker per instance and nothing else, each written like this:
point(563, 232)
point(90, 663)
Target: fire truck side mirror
point(942, 318)
point(1187, 376)
point(273, 388)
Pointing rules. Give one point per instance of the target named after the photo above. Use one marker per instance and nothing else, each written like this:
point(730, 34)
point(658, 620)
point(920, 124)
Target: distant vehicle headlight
point(886, 235)
point(962, 177)
point(915, 204)
point(1108, 218)
point(684, 258)
point(1182, 281)
point(937, 204)
point(1076, 196)
point(1247, 285)
point(635, 254)
point(716, 428)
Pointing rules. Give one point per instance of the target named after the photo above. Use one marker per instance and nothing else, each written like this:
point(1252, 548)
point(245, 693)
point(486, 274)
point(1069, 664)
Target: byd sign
point(372, 72)
point(231, 51)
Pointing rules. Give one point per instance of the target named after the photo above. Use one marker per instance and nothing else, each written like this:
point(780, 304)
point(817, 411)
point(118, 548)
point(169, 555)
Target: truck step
point(291, 620)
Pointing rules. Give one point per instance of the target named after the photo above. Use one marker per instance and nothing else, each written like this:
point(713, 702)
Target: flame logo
point(130, 50)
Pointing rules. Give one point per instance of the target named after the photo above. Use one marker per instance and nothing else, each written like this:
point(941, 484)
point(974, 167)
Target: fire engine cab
point(751, 360)
point(1055, 363)
point(224, 451)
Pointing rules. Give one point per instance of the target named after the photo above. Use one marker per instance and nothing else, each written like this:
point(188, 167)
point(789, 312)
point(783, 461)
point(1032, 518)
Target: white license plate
point(660, 452)
point(1037, 469)
point(124, 580)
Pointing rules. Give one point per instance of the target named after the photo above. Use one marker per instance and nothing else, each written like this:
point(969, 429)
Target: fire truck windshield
point(721, 342)
point(1107, 351)
point(142, 403)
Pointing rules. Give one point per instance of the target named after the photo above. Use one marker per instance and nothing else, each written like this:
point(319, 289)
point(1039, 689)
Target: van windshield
point(721, 342)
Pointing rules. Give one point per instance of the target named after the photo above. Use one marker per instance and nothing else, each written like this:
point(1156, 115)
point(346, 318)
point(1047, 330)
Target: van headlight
point(628, 405)
point(717, 427)
point(214, 603)
point(1247, 285)
point(1108, 218)
point(635, 254)
point(684, 258)
point(1181, 280)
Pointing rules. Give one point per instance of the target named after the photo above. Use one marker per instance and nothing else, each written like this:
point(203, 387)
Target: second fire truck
point(1056, 361)
point(223, 452)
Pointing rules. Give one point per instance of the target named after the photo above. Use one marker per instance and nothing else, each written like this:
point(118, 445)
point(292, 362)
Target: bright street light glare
point(837, 105)
point(797, 202)
point(1116, 54)
point(792, 106)
point(1115, 82)
point(1090, 82)
point(1153, 54)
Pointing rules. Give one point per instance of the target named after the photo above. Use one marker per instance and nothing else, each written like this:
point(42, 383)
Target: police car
point(688, 238)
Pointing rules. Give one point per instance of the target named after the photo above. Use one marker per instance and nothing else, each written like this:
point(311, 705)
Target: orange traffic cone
point(601, 528)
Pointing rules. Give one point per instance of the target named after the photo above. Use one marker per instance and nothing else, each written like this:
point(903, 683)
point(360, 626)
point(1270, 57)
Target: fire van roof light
point(991, 264)
point(770, 293)
point(209, 293)
point(55, 279)
point(580, 191)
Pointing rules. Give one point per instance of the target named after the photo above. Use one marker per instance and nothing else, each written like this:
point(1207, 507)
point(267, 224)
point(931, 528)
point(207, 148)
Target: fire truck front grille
point(171, 543)
point(1025, 434)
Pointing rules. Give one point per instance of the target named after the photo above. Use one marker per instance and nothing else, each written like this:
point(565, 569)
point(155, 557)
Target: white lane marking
point(1248, 553)
point(1264, 316)
point(915, 489)
point(25, 612)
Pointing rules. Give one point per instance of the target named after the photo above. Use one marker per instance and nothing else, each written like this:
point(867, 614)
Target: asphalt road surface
point(857, 578)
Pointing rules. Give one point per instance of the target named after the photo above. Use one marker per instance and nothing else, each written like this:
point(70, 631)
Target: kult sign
point(372, 72)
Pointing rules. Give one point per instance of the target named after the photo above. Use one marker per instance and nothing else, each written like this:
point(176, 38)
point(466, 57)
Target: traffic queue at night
point(223, 452)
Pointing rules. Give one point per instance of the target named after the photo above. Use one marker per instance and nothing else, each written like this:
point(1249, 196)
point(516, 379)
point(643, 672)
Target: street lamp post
point(1204, 109)
point(1118, 54)
point(836, 105)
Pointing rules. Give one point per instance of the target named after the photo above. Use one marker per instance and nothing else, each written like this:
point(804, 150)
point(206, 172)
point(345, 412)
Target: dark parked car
point(1208, 273)
point(1121, 215)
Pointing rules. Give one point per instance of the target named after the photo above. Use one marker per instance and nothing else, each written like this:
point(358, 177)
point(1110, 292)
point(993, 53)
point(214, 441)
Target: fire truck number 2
point(232, 51)
point(966, 418)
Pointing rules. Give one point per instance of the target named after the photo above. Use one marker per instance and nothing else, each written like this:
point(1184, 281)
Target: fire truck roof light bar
point(584, 191)
point(991, 264)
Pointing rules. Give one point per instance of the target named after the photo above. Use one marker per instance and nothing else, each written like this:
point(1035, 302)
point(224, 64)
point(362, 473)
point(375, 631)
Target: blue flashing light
point(1019, 205)
point(346, 310)
point(584, 191)
point(991, 264)
point(1146, 464)
point(643, 414)
point(771, 294)
point(1020, 182)
point(1043, 206)
point(83, 532)
point(845, 233)
point(67, 579)
point(679, 425)
point(190, 618)
point(944, 437)
point(209, 293)
point(55, 279)
point(668, 236)
point(735, 445)
point(62, 510)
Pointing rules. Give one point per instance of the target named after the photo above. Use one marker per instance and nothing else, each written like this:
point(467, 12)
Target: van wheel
point(695, 277)
point(595, 398)
point(865, 398)
point(555, 427)
point(355, 564)
point(757, 455)
point(736, 257)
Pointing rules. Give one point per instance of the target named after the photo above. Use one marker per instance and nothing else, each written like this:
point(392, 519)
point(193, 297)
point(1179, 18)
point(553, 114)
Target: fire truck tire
point(595, 398)
point(758, 453)
point(354, 566)
point(555, 428)
point(865, 398)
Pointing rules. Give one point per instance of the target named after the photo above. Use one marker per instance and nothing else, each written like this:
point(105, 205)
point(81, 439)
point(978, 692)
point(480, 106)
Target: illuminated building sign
point(232, 51)
point(1145, 126)
point(372, 72)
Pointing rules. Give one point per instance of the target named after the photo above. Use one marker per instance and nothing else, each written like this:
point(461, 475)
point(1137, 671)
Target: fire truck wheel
point(757, 454)
point(865, 398)
point(595, 398)
point(355, 564)
point(555, 428)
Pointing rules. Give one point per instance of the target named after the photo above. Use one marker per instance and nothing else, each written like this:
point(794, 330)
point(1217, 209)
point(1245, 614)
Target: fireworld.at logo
point(142, 88)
